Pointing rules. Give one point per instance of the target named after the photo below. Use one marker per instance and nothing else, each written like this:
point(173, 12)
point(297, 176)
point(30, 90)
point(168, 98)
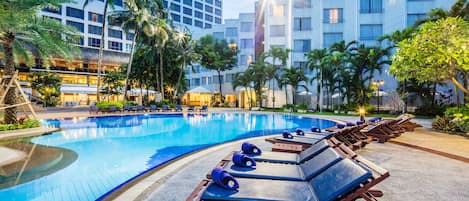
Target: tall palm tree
point(258, 77)
point(316, 63)
point(23, 32)
point(136, 17)
point(337, 61)
point(162, 36)
point(282, 55)
point(243, 80)
point(186, 51)
point(294, 77)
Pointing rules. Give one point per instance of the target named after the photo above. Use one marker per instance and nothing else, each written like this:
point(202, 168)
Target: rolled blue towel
point(340, 126)
point(379, 118)
point(299, 131)
point(360, 123)
point(350, 124)
point(243, 160)
point(287, 134)
point(315, 129)
point(224, 179)
point(373, 120)
point(249, 148)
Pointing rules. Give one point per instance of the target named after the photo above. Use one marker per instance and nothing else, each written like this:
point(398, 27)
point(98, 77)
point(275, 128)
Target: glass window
point(114, 33)
point(370, 31)
point(218, 3)
point(246, 43)
point(229, 77)
point(243, 60)
point(130, 36)
point(208, 9)
point(208, 26)
point(114, 45)
point(176, 17)
point(302, 3)
point(218, 20)
point(216, 80)
point(333, 15)
point(217, 11)
point(371, 6)
point(246, 27)
point(199, 5)
point(187, 11)
point(175, 7)
point(277, 10)
point(79, 26)
point(331, 38)
point(118, 3)
point(219, 35)
point(187, 20)
point(301, 45)
point(188, 2)
point(95, 17)
point(302, 24)
point(209, 1)
point(208, 17)
point(94, 42)
point(412, 18)
point(95, 30)
point(277, 30)
point(198, 23)
point(165, 4)
point(53, 10)
point(195, 82)
point(300, 64)
point(76, 13)
point(198, 14)
point(128, 47)
point(231, 32)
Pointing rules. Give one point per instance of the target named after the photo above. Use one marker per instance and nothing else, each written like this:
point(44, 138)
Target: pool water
point(111, 150)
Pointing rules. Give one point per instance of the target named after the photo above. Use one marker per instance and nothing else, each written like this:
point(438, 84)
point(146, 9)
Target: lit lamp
point(362, 112)
point(378, 83)
point(233, 46)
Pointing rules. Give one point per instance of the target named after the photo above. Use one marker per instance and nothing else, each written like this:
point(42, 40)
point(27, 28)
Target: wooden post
point(14, 80)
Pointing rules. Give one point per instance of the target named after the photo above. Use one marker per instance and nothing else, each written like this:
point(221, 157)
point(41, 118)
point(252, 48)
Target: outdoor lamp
point(362, 112)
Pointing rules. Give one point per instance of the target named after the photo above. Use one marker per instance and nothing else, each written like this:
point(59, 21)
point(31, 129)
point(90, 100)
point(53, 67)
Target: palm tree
point(162, 35)
point(23, 32)
point(282, 55)
point(136, 17)
point(294, 76)
point(258, 77)
point(243, 80)
point(186, 47)
point(316, 63)
point(459, 9)
point(336, 60)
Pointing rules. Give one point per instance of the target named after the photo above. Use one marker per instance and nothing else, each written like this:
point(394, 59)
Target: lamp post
point(378, 83)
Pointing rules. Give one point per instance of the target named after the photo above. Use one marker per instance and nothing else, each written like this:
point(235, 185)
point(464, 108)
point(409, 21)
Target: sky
point(232, 8)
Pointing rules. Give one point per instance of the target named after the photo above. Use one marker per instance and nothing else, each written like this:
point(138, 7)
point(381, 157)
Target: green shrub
point(289, 107)
point(444, 124)
point(104, 105)
point(28, 123)
point(302, 107)
point(172, 105)
point(464, 110)
point(130, 103)
point(431, 110)
point(165, 101)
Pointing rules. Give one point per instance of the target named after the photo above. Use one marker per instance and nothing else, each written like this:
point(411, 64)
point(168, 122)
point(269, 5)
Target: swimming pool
point(111, 150)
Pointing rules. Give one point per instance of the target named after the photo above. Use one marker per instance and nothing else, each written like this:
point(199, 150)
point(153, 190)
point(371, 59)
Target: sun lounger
point(94, 109)
point(129, 108)
point(204, 108)
point(165, 108)
point(113, 109)
point(178, 108)
point(154, 108)
point(141, 108)
point(352, 137)
point(377, 132)
point(191, 108)
point(345, 180)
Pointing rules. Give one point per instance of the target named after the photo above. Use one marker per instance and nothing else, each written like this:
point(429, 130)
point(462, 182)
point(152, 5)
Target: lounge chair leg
point(376, 193)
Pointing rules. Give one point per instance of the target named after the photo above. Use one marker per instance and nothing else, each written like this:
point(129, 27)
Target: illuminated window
point(333, 15)
point(278, 10)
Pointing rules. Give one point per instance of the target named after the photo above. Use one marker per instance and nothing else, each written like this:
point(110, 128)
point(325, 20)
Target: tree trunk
point(466, 83)
point(180, 76)
point(161, 73)
point(405, 96)
point(219, 85)
point(293, 90)
point(101, 50)
point(434, 95)
point(129, 65)
point(10, 98)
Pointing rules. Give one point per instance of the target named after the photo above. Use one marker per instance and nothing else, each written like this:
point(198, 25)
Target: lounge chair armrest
point(345, 151)
point(196, 195)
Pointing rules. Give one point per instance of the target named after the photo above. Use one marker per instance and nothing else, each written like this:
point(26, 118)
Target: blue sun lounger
point(342, 180)
point(279, 171)
point(299, 139)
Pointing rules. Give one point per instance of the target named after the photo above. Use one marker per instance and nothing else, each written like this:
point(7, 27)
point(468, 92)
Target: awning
point(199, 89)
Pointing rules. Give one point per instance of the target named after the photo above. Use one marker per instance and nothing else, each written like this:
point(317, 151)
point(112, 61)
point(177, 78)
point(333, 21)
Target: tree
point(23, 32)
point(48, 85)
point(243, 80)
point(459, 9)
point(216, 55)
point(316, 63)
point(112, 83)
point(256, 73)
point(294, 76)
point(136, 17)
point(186, 49)
point(282, 55)
point(436, 53)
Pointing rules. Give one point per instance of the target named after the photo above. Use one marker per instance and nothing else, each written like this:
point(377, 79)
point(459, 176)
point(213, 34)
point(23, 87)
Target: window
point(95, 30)
point(218, 20)
point(231, 32)
point(302, 3)
point(118, 3)
point(246, 27)
point(94, 42)
point(79, 26)
point(218, 3)
point(209, 80)
point(219, 35)
point(95, 17)
point(114, 45)
point(277, 30)
point(301, 45)
point(247, 43)
point(187, 11)
point(208, 9)
point(216, 80)
point(130, 36)
point(370, 31)
point(198, 14)
point(208, 26)
point(208, 17)
point(199, 5)
point(302, 24)
point(76, 13)
point(331, 38)
point(128, 47)
point(229, 77)
point(209, 1)
point(187, 2)
point(333, 15)
point(196, 82)
point(175, 7)
point(114, 33)
point(53, 10)
point(165, 4)
point(277, 10)
point(412, 18)
point(243, 60)
point(176, 17)
point(300, 64)
point(217, 12)
point(371, 6)
point(198, 24)
point(187, 20)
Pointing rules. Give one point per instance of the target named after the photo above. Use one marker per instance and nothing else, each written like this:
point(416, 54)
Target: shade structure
point(198, 96)
point(199, 89)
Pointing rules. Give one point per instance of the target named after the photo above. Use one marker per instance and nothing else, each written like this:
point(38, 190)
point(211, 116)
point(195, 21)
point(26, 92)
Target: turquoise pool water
point(112, 150)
